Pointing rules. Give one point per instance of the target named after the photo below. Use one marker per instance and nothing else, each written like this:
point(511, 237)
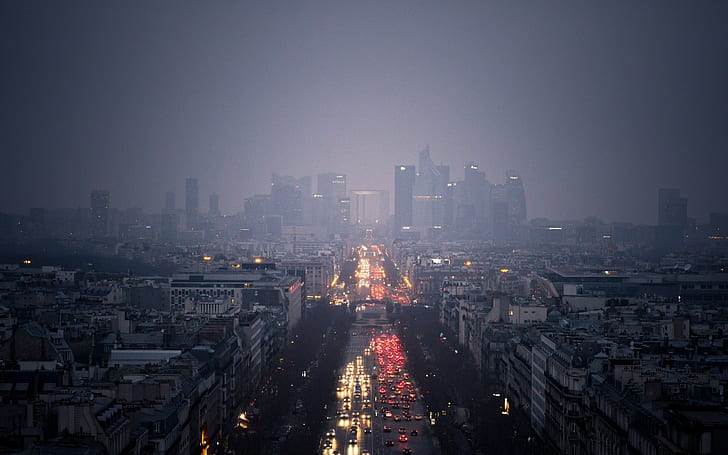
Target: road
point(378, 408)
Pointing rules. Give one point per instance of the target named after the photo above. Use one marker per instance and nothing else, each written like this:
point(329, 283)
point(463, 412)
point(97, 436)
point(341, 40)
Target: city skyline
point(596, 106)
point(213, 206)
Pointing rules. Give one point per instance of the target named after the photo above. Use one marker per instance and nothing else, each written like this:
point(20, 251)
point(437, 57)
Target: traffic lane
point(346, 406)
point(420, 443)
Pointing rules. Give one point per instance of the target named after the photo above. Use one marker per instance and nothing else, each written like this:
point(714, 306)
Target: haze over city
point(363, 227)
point(595, 105)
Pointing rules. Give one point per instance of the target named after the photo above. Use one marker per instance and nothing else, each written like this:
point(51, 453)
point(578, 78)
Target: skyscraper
point(404, 181)
point(288, 195)
point(331, 185)
point(344, 211)
point(332, 188)
point(100, 213)
point(499, 214)
point(672, 219)
point(472, 208)
point(214, 208)
point(169, 226)
point(191, 203)
point(255, 211)
point(428, 205)
point(672, 210)
point(169, 202)
point(516, 197)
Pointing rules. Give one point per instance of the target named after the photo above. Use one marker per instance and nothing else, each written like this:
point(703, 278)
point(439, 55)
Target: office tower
point(318, 213)
point(289, 197)
point(191, 203)
point(499, 214)
point(428, 205)
point(332, 188)
point(169, 202)
point(214, 209)
point(404, 181)
point(672, 210)
point(672, 219)
point(450, 204)
point(516, 197)
point(343, 211)
point(255, 211)
point(473, 199)
point(169, 226)
point(439, 193)
point(99, 213)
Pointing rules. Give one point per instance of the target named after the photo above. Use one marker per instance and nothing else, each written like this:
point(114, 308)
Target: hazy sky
point(597, 104)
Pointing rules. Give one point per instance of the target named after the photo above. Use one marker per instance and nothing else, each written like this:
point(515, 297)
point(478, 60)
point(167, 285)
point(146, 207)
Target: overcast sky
point(596, 104)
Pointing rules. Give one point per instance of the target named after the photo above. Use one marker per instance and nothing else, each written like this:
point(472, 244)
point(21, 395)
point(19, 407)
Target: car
point(403, 438)
point(387, 429)
point(389, 443)
point(408, 418)
point(327, 444)
point(418, 417)
point(367, 430)
point(331, 433)
point(413, 433)
point(406, 450)
point(397, 418)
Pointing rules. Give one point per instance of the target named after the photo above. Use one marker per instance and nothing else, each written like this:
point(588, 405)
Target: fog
point(596, 105)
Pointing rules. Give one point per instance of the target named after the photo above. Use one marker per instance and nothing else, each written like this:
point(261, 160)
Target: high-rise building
point(499, 214)
point(288, 197)
point(428, 205)
point(451, 193)
point(99, 213)
point(331, 187)
point(472, 202)
point(255, 211)
point(672, 219)
point(169, 226)
point(169, 201)
point(672, 210)
point(214, 209)
point(191, 203)
point(404, 181)
point(344, 211)
point(516, 197)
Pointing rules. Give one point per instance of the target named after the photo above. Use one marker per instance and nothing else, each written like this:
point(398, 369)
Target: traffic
point(377, 407)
